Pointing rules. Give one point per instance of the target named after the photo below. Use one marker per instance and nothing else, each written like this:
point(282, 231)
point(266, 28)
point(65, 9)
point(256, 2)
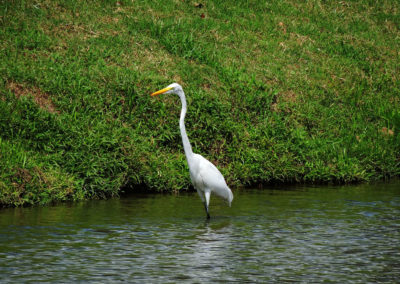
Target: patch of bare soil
point(41, 98)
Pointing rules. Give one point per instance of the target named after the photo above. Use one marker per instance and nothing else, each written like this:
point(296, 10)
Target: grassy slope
point(283, 91)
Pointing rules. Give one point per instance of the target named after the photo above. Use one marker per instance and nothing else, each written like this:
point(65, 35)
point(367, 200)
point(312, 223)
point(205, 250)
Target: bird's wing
point(211, 178)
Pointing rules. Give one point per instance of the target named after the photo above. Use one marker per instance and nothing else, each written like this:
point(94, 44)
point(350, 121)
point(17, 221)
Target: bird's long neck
point(185, 140)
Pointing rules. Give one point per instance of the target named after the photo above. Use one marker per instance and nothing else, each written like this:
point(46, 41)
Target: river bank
point(278, 92)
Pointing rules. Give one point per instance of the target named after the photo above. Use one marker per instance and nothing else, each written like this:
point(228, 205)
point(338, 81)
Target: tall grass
point(278, 91)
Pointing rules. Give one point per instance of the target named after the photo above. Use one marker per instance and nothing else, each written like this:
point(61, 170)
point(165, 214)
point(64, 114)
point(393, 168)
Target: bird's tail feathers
point(230, 197)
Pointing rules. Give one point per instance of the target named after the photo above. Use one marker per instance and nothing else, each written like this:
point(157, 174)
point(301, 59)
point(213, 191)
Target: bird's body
point(206, 178)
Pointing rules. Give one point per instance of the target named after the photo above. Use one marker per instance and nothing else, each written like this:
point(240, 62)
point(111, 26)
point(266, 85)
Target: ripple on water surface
point(339, 234)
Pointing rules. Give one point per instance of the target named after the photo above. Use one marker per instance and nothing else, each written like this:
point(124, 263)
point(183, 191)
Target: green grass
point(278, 92)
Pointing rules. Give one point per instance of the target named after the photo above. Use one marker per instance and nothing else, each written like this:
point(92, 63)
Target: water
point(287, 234)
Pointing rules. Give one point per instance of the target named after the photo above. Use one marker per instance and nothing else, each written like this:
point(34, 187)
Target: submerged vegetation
point(278, 91)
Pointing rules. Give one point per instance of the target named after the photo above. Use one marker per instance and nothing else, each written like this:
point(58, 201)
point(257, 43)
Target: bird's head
point(174, 88)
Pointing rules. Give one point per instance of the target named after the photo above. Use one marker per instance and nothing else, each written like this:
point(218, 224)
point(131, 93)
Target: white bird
point(206, 178)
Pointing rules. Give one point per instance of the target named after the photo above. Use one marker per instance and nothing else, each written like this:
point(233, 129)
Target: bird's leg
point(207, 196)
point(206, 207)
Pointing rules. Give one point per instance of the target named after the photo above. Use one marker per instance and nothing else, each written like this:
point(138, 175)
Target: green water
point(286, 234)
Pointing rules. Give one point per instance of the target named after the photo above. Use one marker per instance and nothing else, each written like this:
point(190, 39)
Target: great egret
point(206, 178)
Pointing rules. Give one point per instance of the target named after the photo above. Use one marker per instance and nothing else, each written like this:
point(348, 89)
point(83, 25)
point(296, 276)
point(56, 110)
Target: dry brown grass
point(41, 98)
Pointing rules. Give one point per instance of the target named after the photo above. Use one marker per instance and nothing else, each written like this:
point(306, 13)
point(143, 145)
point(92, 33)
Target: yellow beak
point(161, 91)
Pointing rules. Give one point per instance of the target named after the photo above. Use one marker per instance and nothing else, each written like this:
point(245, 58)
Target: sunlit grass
point(281, 91)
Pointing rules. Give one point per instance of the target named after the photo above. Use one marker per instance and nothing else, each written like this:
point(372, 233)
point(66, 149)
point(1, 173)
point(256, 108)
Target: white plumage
point(206, 178)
